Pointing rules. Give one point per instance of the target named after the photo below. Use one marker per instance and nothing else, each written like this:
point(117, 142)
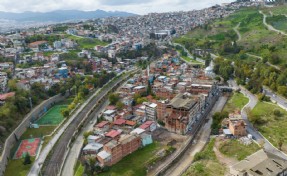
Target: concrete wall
point(16, 134)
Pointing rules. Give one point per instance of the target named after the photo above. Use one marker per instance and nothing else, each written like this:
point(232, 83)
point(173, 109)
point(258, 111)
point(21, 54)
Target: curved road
point(250, 129)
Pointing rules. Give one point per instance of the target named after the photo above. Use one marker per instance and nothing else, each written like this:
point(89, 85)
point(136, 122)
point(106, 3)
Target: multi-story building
point(182, 113)
point(161, 109)
point(130, 143)
point(150, 111)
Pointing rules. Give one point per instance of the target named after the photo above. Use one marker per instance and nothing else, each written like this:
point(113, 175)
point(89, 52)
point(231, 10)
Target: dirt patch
point(167, 138)
point(226, 161)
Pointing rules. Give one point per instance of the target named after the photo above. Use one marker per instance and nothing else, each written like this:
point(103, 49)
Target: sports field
point(53, 116)
point(28, 145)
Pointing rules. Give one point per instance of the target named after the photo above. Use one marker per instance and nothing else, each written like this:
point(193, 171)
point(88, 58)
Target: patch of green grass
point(234, 149)
point(87, 43)
point(278, 22)
point(79, 170)
point(271, 126)
point(17, 168)
point(38, 132)
point(135, 163)
point(206, 163)
point(48, 53)
point(236, 102)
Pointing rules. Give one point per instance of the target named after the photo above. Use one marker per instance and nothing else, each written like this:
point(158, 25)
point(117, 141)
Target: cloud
point(134, 6)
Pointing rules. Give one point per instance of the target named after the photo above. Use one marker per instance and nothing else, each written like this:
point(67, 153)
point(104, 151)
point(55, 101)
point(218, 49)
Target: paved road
point(59, 151)
point(269, 27)
point(250, 129)
point(281, 101)
point(72, 157)
point(237, 32)
point(38, 163)
point(64, 135)
point(182, 165)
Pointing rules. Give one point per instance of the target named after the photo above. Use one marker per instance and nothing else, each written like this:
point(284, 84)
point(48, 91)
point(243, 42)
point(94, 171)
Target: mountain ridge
point(61, 15)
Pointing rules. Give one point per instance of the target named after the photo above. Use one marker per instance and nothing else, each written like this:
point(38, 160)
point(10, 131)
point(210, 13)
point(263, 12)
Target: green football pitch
point(53, 116)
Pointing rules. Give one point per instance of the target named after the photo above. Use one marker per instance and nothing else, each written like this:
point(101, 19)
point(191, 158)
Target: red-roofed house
point(119, 123)
point(131, 123)
point(114, 134)
point(103, 126)
point(148, 126)
point(111, 107)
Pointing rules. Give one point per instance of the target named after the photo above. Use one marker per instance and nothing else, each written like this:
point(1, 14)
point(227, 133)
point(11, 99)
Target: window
point(269, 169)
point(258, 172)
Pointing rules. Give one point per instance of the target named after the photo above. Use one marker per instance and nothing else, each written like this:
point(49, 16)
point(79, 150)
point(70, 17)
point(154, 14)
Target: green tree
point(120, 105)
point(65, 112)
point(114, 98)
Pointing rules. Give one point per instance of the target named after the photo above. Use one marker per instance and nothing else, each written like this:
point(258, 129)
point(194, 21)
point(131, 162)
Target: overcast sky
point(134, 6)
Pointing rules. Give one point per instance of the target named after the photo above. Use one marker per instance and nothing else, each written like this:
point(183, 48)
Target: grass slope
point(38, 132)
point(271, 126)
point(87, 43)
point(206, 163)
point(234, 149)
point(236, 102)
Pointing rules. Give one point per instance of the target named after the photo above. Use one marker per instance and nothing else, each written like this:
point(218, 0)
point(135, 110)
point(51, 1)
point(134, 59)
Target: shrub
point(277, 112)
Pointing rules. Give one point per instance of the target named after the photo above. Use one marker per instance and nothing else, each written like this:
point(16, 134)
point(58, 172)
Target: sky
point(135, 6)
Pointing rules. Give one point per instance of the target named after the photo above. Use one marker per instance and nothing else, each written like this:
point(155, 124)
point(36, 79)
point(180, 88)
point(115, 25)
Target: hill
point(252, 46)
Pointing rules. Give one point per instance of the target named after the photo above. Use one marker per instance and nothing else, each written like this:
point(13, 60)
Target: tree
point(282, 90)
point(120, 105)
point(27, 159)
point(65, 112)
point(12, 84)
point(114, 98)
point(277, 112)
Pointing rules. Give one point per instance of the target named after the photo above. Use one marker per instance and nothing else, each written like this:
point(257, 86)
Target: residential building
point(237, 125)
point(92, 148)
point(130, 143)
point(148, 126)
point(151, 111)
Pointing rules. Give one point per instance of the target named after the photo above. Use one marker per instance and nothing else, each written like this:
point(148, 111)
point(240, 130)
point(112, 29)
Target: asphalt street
point(58, 145)
point(250, 129)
